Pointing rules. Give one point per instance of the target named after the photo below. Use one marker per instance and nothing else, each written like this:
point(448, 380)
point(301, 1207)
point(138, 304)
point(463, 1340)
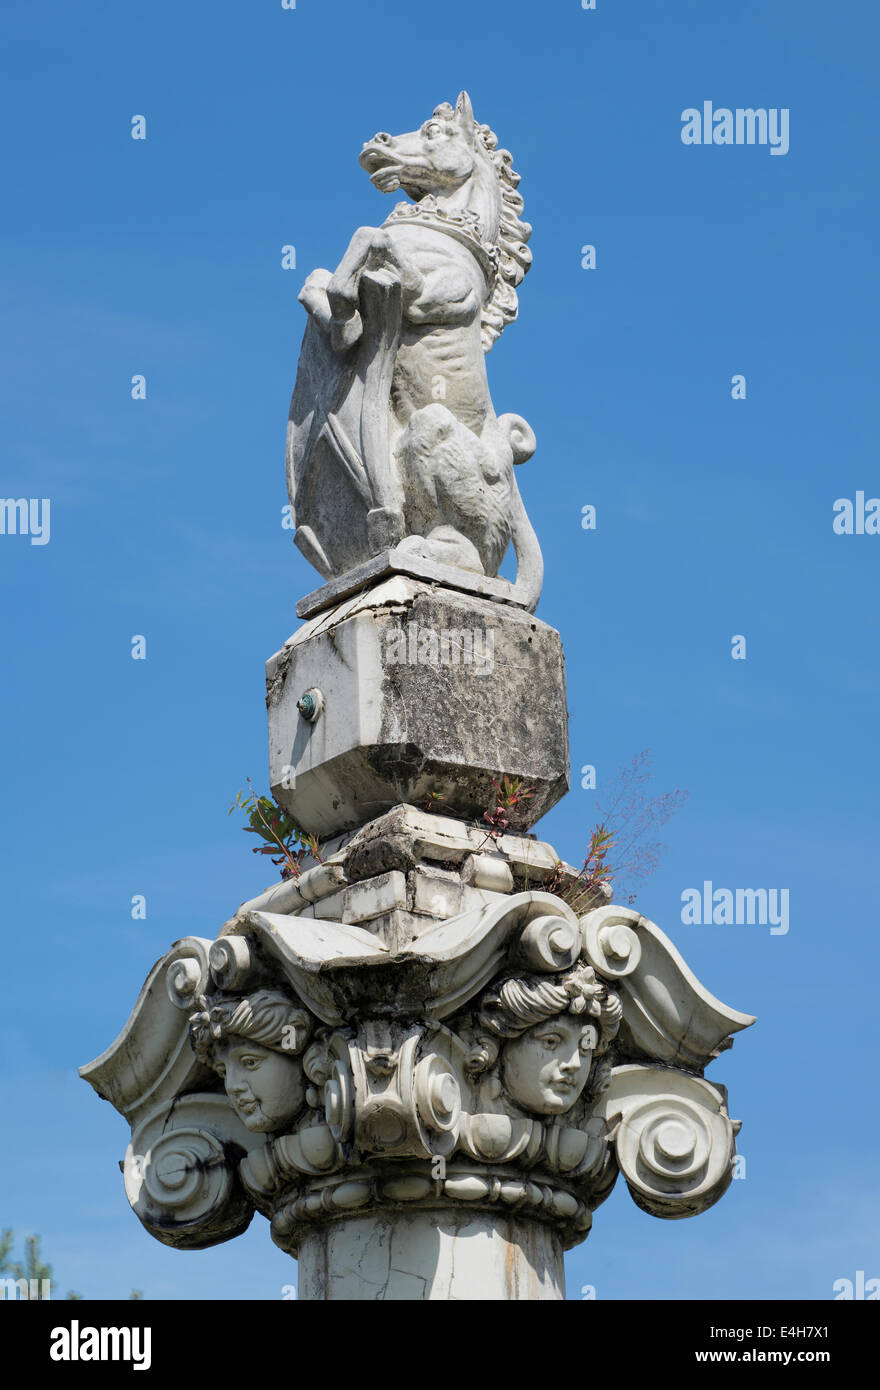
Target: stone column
point(432, 1256)
point(426, 1056)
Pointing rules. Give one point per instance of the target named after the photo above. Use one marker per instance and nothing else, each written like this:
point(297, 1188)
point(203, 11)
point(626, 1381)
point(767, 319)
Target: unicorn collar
point(460, 223)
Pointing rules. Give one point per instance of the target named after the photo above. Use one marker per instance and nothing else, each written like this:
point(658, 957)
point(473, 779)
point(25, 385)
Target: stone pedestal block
point(412, 693)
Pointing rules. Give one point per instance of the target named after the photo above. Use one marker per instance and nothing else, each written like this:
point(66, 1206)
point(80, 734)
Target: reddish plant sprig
point(595, 874)
point(510, 791)
point(618, 852)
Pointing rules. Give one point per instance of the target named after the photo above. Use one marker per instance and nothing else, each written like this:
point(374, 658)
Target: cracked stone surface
point(427, 1256)
point(427, 693)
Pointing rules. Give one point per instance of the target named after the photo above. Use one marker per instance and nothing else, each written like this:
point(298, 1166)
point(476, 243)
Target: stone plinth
point(422, 693)
point(401, 874)
point(400, 561)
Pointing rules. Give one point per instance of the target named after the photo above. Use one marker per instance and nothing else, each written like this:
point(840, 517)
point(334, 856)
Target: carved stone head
point(436, 157)
point(255, 1043)
point(545, 1034)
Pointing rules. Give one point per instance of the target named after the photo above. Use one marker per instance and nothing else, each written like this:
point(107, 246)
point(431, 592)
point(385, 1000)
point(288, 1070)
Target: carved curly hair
point(266, 1017)
point(516, 1003)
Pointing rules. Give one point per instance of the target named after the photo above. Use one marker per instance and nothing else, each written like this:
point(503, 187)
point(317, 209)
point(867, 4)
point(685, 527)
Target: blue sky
point(163, 257)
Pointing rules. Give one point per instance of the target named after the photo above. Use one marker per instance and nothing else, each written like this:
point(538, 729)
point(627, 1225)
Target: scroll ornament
point(573, 1051)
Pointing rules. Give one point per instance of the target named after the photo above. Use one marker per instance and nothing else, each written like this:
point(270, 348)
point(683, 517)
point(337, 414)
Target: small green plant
point(283, 840)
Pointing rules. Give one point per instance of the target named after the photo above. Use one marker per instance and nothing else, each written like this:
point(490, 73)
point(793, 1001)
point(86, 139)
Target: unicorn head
point(454, 159)
point(438, 158)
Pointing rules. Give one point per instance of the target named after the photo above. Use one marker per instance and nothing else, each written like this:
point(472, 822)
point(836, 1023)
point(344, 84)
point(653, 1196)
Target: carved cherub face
point(546, 1068)
point(254, 1042)
point(266, 1088)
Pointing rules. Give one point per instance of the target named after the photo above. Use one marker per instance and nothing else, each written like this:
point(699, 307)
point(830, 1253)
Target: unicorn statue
point(393, 443)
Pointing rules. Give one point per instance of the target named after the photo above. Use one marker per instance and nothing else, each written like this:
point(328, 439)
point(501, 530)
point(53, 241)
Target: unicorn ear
point(464, 114)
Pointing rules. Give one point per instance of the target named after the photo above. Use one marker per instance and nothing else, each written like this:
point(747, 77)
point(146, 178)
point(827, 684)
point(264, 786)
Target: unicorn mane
point(501, 307)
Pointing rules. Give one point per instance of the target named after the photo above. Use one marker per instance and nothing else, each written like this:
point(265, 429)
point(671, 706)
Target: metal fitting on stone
point(310, 704)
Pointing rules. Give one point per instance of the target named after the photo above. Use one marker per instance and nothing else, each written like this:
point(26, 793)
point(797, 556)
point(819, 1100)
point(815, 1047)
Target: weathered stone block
point(423, 694)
